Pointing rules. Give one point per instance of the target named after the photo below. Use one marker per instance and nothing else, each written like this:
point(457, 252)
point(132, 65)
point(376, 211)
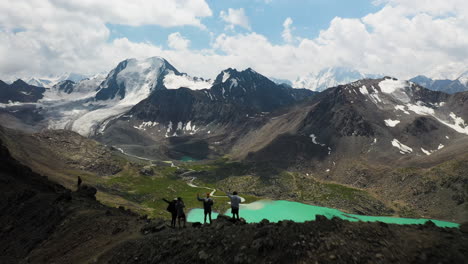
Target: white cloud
point(396, 40)
point(59, 35)
point(433, 8)
point(177, 41)
point(235, 17)
point(287, 34)
point(139, 12)
point(403, 39)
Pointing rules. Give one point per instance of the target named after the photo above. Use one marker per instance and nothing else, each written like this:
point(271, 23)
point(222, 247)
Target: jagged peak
point(19, 82)
point(229, 73)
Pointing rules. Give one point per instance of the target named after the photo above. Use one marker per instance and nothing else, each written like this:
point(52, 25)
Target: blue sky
point(265, 17)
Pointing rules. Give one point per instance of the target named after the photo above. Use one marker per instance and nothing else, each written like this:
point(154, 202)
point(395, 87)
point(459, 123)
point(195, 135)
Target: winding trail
point(190, 183)
point(131, 155)
point(142, 158)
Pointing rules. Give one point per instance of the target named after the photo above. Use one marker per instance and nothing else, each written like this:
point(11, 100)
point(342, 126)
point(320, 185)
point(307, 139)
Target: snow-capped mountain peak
point(39, 82)
point(463, 78)
point(49, 81)
point(330, 77)
point(135, 78)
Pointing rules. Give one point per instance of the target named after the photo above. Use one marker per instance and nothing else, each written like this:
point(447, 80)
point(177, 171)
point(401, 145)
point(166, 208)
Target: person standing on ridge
point(79, 183)
point(207, 204)
point(235, 201)
point(171, 208)
point(180, 211)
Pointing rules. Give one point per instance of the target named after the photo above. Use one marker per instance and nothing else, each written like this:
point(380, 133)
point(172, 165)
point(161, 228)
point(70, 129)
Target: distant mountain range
point(334, 76)
point(50, 81)
point(448, 86)
point(142, 105)
point(331, 77)
point(325, 78)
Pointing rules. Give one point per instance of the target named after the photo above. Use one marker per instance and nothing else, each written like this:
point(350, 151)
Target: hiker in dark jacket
point(207, 204)
point(180, 211)
point(171, 208)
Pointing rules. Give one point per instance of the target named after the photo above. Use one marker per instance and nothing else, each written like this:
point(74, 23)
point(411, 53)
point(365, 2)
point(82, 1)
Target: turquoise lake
point(276, 211)
point(187, 159)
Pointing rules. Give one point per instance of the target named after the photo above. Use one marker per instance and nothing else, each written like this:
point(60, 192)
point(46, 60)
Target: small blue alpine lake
point(187, 159)
point(276, 211)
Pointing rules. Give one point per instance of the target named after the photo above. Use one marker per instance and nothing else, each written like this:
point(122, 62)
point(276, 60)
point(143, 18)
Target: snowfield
point(390, 86)
point(81, 90)
point(139, 77)
point(173, 81)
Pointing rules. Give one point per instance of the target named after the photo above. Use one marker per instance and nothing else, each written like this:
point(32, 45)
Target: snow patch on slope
point(10, 104)
point(390, 86)
point(458, 124)
point(426, 152)
point(420, 109)
point(314, 140)
point(363, 90)
point(401, 108)
point(403, 148)
point(173, 81)
point(145, 125)
point(391, 123)
point(375, 98)
point(226, 76)
point(234, 83)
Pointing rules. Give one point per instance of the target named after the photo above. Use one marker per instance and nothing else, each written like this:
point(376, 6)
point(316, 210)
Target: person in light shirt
point(235, 201)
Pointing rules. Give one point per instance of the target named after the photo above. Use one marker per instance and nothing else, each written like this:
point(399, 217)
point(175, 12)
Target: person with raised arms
point(207, 204)
point(180, 211)
point(235, 202)
point(171, 208)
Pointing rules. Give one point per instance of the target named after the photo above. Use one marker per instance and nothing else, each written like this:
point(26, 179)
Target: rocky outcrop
point(322, 241)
